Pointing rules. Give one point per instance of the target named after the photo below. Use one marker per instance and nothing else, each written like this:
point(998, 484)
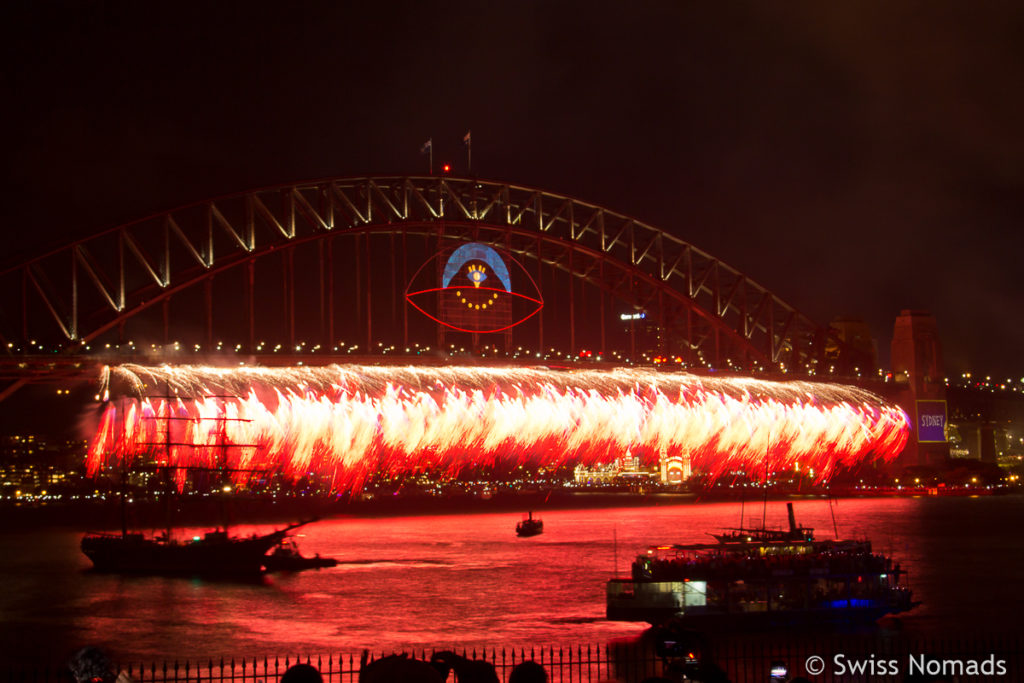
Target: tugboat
point(760, 578)
point(530, 526)
point(287, 558)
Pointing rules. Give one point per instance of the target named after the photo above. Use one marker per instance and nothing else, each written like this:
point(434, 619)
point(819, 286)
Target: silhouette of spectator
point(91, 665)
point(397, 669)
point(528, 672)
point(707, 672)
point(467, 670)
point(302, 673)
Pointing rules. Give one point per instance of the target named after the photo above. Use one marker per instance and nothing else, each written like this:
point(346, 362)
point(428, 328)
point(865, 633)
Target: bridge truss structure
point(315, 262)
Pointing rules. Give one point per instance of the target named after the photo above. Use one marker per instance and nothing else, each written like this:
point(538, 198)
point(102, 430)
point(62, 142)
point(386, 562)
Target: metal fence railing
point(821, 659)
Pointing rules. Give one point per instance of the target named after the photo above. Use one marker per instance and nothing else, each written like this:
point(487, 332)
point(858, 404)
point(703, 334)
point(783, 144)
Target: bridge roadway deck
point(20, 370)
point(61, 368)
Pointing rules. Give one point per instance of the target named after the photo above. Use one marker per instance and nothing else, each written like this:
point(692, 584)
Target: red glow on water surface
point(347, 423)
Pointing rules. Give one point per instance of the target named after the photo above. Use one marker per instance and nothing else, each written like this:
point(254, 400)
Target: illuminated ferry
point(759, 578)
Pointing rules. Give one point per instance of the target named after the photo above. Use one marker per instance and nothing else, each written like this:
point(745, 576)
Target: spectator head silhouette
point(91, 665)
point(466, 670)
point(398, 669)
point(528, 672)
point(302, 673)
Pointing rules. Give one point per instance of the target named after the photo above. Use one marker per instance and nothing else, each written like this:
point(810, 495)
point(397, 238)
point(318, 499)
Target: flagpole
point(428, 147)
point(468, 139)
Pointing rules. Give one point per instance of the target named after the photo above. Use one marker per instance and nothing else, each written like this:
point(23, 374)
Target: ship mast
point(222, 466)
point(222, 462)
point(167, 463)
point(124, 479)
point(767, 458)
point(743, 499)
point(835, 529)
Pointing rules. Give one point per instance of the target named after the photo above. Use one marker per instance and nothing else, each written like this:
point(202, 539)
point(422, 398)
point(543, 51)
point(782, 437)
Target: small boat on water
point(760, 578)
point(530, 526)
point(287, 558)
point(764, 535)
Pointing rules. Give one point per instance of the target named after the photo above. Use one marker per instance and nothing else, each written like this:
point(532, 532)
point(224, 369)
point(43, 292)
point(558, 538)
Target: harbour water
point(467, 580)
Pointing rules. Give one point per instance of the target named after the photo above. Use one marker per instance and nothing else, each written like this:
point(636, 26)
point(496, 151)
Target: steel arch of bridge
point(93, 285)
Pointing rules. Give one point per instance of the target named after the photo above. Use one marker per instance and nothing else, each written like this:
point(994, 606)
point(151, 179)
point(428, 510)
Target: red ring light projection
point(476, 290)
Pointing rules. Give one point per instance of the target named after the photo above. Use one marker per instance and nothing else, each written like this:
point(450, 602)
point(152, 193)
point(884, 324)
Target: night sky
point(855, 158)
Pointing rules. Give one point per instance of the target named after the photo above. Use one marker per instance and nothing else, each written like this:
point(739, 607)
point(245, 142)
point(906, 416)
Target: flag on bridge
point(428, 147)
point(467, 137)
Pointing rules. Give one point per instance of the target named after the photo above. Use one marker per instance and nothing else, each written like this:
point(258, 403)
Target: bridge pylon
point(918, 369)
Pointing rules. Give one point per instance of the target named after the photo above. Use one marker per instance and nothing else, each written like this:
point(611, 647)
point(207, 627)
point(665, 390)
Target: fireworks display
point(348, 423)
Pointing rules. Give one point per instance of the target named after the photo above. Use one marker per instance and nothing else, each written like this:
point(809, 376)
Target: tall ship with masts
point(215, 552)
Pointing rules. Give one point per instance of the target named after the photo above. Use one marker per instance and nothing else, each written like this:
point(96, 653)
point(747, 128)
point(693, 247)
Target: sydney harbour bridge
point(328, 272)
point(323, 265)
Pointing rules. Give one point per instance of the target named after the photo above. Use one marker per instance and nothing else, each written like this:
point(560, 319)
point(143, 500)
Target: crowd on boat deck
point(719, 566)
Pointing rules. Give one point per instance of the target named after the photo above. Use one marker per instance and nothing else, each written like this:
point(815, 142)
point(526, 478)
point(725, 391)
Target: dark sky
point(855, 158)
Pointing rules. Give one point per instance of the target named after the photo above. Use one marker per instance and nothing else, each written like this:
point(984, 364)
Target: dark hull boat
point(530, 526)
point(215, 553)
